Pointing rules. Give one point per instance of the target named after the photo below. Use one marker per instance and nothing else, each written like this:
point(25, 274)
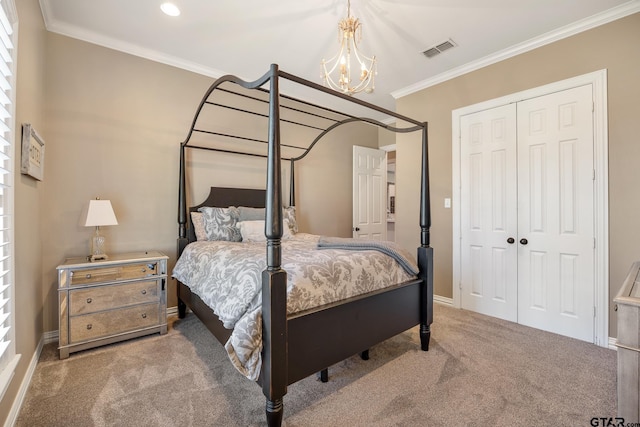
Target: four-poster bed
point(298, 344)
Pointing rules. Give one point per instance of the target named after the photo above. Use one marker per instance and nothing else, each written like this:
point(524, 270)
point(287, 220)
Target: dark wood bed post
point(273, 375)
point(182, 222)
point(425, 251)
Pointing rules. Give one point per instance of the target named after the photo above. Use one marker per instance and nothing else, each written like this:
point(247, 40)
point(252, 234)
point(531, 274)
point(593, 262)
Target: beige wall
point(324, 181)
point(115, 122)
point(29, 302)
point(386, 137)
point(613, 47)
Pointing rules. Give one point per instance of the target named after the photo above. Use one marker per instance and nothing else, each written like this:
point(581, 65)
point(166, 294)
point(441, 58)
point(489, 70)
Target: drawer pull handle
point(89, 326)
point(88, 276)
point(144, 315)
point(144, 292)
point(89, 300)
point(144, 270)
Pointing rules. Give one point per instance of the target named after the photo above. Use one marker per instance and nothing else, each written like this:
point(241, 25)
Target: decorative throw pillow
point(289, 214)
point(221, 223)
point(253, 231)
point(251, 214)
point(286, 230)
point(198, 225)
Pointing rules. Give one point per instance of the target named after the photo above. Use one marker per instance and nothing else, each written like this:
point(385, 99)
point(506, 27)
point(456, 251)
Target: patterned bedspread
point(227, 277)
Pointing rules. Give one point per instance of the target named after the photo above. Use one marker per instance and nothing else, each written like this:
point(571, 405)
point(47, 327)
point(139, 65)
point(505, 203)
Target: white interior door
point(369, 193)
point(527, 212)
point(489, 202)
point(556, 213)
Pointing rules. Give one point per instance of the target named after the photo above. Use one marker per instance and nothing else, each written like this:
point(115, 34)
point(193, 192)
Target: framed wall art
point(32, 153)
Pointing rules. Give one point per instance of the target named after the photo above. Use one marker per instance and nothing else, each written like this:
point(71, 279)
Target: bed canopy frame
point(267, 103)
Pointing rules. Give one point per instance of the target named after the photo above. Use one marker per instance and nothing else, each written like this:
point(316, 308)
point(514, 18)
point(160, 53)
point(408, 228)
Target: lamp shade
point(100, 213)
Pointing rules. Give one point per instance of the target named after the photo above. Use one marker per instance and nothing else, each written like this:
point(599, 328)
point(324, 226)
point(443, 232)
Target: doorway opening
point(391, 191)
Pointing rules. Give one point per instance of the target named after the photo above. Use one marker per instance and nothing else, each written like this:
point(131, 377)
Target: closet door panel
point(555, 213)
point(488, 203)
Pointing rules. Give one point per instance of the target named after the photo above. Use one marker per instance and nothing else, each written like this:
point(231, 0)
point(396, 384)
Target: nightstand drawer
point(83, 276)
point(113, 322)
point(99, 298)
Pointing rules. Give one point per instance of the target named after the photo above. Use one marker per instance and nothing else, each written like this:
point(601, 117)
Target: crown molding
point(72, 31)
point(577, 27)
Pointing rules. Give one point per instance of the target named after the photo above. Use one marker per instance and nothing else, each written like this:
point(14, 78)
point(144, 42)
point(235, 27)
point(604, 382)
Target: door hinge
point(594, 243)
point(594, 311)
point(593, 175)
point(460, 285)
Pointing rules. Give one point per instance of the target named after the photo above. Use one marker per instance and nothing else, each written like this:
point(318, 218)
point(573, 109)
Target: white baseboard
point(24, 386)
point(443, 300)
point(49, 337)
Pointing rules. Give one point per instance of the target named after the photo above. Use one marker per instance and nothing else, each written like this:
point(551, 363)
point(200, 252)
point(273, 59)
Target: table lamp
point(100, 213)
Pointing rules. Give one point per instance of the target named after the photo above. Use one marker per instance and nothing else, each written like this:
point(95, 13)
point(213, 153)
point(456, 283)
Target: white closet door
point(489, 282)
point(369, 193)
point(556, 213)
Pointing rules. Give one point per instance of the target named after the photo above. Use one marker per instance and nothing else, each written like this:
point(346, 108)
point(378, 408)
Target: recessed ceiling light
point(170, 9)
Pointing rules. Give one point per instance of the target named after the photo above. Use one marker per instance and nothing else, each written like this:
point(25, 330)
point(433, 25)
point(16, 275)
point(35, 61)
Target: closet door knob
point(511, 240)
point(524, 241)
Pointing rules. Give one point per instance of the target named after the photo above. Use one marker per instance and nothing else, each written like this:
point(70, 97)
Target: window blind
point(8, 357)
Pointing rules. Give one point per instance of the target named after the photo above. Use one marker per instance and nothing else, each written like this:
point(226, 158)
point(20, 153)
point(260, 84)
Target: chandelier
point(337, 71)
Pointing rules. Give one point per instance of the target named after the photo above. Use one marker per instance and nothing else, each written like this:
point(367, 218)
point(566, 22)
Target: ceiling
point(216, 37)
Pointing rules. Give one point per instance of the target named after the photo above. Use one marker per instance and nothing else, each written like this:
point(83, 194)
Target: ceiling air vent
point(439, 48)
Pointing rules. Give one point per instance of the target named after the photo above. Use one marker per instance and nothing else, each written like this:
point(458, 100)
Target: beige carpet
point(480, 371)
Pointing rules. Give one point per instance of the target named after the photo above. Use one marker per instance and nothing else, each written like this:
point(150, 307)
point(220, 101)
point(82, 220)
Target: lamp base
point(97, 247)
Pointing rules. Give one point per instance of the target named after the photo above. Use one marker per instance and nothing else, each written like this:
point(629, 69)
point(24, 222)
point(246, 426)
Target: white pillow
point(253, 231)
